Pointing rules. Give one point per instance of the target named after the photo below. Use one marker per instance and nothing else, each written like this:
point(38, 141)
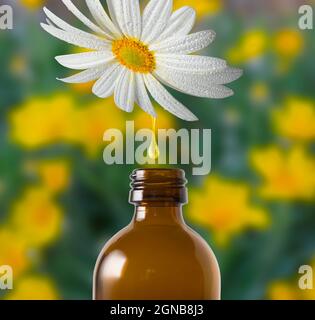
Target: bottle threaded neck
point(158, 185)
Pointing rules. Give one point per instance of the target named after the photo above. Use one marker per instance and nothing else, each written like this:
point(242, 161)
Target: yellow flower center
point(134, 55)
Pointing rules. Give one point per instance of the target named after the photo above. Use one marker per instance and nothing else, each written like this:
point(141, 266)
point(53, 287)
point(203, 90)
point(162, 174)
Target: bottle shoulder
point(157, 262)
point(163, 240)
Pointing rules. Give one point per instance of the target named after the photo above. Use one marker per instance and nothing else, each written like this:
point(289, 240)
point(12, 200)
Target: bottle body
point(157, 257)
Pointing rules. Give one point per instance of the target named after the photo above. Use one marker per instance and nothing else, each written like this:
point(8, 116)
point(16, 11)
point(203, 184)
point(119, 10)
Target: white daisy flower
point(133, 54)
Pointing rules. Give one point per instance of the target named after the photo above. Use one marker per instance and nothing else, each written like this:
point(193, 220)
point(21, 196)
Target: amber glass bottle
point(157, 256)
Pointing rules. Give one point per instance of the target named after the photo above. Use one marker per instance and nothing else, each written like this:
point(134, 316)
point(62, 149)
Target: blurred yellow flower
point(32, 4)
point(259, 92)
point(36, 217)
point(286, 175)
point(296, 119)
point(54, 174)
point(93, 120)
point(13, 251)
point(40, 121)
point(252, 45)
point(282, 290)
point(224, 207)
point(203, 8)
point(34, 287)
point(288, 43)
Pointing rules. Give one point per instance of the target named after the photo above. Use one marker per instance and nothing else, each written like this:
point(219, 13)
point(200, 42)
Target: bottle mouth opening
point(158, 185)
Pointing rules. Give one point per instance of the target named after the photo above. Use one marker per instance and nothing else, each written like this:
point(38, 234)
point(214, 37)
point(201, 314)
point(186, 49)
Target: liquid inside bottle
point(157, 256)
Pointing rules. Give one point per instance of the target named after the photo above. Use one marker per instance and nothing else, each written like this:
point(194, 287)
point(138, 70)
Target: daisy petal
point(76, 12)
point(180, 23)
point(91, 42)
point(142, 96)
point(221, 76)
point(185, 44)
point(49, 22)
point(125, 91)
point(56, 21)
point(101, 17)
point(194, 86)
point(111, 8)
point(224, 76)
point(85, 60)
point(127, 14)
point(85, 76)
point(191, 63)
point(155, 18)
point(105, 85)
point(166, 100)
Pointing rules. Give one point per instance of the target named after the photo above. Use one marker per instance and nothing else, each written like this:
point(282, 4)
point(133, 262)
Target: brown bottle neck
point(158, 186)
point(158, 214)
point(158, 196)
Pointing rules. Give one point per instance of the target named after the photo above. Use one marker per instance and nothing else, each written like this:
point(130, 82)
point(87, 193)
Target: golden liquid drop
point(153, 150)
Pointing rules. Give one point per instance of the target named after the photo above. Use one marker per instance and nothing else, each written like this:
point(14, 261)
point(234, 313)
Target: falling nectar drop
point(153, 150)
